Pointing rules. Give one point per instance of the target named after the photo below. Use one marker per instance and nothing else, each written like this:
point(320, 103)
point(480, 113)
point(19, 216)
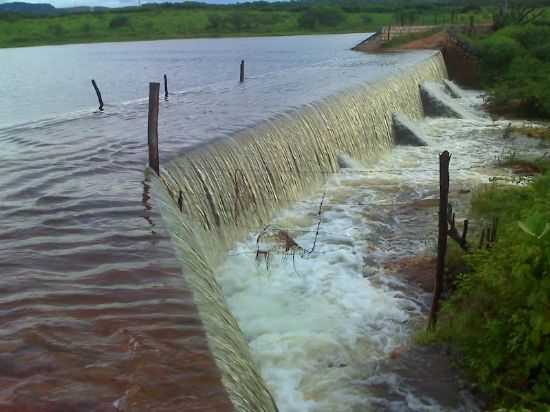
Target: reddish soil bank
point(419, 270)
point(462, 65)
point(435, 41)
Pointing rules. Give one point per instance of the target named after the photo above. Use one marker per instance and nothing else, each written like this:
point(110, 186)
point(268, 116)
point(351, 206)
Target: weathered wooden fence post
point(242, 71)
point(165, 87)
point(180, 201)
point(98, 93)
point(444, 159)
point(152, 127)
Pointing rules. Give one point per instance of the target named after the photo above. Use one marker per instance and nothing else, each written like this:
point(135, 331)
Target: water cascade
point(215, 194)
point(406, 132)
point(438, 101)
point(451, 88)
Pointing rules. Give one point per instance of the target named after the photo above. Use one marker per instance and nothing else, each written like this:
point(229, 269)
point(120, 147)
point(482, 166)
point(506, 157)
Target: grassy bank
point(186, 20)
point(515, 67)
point(165, 24)
point(499, 316)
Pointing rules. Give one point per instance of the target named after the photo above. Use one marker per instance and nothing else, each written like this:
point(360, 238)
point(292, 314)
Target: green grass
point(170, 23)
point(514, 67)
point(499, 315)
point(542, 133)
point(150, 23)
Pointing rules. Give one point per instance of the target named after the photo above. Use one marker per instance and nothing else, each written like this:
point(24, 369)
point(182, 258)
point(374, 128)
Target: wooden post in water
point(444, 159)
point(98, 93)
point(152, 127)
point(180, 201)
point(242, 71)
point(165, 87)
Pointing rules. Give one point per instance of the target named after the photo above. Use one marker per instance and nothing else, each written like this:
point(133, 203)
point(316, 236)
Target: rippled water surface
point(94, 312)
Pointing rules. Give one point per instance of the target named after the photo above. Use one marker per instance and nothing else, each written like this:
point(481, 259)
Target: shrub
point(268, 19)
point(56, 29)
point(529, 36)
point(542, 52)
point(86, 28)
point(118, 22)
point(404, 17)
point(499, 316)
point(525, 81)
point(366, 19)
point(497, 52)
point(515, 63)
point(307, 20)
point(216, 22)
point(330, 16)
point(241, 20)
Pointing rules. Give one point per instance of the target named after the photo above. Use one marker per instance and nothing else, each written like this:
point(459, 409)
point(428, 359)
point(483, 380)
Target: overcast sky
point(108, 3)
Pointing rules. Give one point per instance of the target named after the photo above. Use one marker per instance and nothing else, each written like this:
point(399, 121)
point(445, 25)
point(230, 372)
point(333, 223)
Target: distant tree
point(406, 17)
point(216, 23)
point(119, 21)
point(321, 16)
point(268, 19)
point(56, 29)
point(307, 20)
point(520, 12)
point(366, 19)
point(86, 28)
point(351, 6)
point(241, 20)
point(471, 7)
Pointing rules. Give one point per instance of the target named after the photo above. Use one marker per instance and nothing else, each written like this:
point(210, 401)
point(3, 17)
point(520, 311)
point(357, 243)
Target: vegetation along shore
point(496, 315)
point(43, 26)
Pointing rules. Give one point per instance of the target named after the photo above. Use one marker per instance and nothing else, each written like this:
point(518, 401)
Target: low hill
point(28, 8)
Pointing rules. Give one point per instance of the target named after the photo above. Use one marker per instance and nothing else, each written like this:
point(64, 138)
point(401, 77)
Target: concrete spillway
point(232, 186)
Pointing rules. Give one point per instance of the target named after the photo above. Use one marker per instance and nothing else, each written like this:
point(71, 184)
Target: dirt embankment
point(461, 63)
point(419, 270)
point(435, 41)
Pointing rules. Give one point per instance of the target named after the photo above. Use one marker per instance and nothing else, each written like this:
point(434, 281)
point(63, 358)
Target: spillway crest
point(215, 194)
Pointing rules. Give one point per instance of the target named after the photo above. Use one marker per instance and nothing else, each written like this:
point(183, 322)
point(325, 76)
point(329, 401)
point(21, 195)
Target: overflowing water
point(309, 325)
point(322, 327)
point(214, 194)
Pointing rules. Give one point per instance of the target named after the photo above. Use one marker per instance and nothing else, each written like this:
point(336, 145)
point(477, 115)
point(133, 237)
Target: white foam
point(307, 320)
point(316, 325)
